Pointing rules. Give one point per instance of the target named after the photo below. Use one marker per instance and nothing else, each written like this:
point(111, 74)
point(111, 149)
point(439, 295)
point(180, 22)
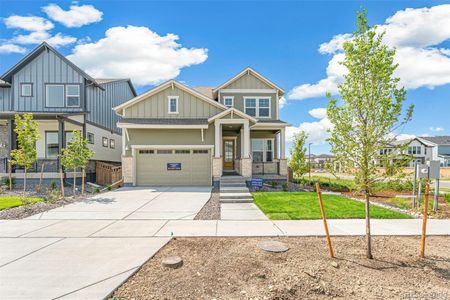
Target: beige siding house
point(175, 135)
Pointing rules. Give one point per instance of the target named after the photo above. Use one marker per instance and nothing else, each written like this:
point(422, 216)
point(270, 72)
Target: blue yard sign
point(257, 182)
point(173, 166)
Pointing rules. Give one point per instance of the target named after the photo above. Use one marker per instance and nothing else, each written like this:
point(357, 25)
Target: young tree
point(27, 133)
point(370, 109)
point(76, 155)
point(298, 162)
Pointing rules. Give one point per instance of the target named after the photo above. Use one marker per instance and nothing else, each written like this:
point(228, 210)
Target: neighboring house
point(319, 161)
point(62, 98)
point(176, 135)
point(422, 150)
point(440, 148)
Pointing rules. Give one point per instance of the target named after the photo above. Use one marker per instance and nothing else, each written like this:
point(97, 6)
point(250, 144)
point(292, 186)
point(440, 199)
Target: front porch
point(249, 148)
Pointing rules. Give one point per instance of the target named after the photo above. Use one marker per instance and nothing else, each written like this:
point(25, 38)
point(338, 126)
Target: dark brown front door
point(228, 154)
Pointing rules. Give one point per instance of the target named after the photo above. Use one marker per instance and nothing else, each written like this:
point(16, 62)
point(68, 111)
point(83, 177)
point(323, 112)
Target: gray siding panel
point(239, 101)
point(100, 102)
point(46, 68)
point(5, 99)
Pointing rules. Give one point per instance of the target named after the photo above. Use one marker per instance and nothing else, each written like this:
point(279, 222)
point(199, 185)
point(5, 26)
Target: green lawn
point(304, 205)
point(8, 202)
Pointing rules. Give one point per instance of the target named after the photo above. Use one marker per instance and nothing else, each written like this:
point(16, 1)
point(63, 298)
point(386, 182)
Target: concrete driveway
point(140, 203)
point(85, 250)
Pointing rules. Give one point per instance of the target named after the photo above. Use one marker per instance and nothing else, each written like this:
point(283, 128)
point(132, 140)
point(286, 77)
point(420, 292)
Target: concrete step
point(234, 190)
point(233, 185)
point(232, 181)
point(232, 177)
point(236, 200)
point(236, 196)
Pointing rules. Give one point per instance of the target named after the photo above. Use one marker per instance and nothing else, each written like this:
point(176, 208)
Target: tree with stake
point(76, 155)
point(27, 134)
point(298, 162)
point(369, 112)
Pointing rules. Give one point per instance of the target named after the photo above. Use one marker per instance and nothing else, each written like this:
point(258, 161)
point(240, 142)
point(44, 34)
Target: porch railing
point(266, 168)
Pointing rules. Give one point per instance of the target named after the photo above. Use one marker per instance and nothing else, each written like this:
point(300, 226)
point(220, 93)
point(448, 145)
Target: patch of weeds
point(108, 187)
point(96, 190)
point(53, 185)
point(273, 184)
point(285, 186)
point(53, 196)
point(5, 181)
point(447, 197)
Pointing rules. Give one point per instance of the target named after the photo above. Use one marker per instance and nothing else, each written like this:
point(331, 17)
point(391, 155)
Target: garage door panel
point(151, 168)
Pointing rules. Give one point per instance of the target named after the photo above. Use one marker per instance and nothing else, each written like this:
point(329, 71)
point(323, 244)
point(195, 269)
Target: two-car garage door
point(173, 167)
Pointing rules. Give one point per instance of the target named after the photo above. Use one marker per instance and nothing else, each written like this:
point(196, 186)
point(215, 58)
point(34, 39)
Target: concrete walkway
point(241, 211)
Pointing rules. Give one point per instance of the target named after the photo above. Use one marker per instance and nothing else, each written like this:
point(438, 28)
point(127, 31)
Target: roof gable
point(249, 72)
point(232, 111)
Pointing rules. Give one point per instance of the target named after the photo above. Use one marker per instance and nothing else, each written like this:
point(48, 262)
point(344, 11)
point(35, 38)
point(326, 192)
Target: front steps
point(233, 189)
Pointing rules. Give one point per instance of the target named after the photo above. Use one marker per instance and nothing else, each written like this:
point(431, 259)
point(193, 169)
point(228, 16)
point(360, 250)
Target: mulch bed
point(234, 268)
point(211, 210)
point(292, 187)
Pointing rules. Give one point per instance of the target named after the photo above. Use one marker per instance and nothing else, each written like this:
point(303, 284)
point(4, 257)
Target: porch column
point(246, 139)
point(242, 143)
point(11, 133)
point(61, 138)
point(218, 139)
point(282, 143)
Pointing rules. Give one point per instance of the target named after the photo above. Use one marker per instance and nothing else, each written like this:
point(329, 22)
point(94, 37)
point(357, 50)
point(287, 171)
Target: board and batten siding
point(238, 101)
point(46, 68)
point(247, 81)
point(156, 106)
point(5, 99)
point(99, 103)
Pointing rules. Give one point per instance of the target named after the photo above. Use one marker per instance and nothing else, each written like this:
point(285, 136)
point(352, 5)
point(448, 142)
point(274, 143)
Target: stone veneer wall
point(217, 167)
point(3, 148)
point(283, 167)
point(127, 169)
point(246, 167)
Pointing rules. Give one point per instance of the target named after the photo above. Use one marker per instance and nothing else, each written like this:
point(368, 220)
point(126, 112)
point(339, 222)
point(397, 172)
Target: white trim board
point(159, 126)
point(137, 147)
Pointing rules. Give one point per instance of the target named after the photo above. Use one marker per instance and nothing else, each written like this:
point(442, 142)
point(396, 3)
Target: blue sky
point(216, 40)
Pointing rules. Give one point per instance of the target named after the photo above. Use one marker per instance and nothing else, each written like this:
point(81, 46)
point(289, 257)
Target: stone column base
point(283, 167)
point(127, 169)
point(246, 167)
point(217, 167)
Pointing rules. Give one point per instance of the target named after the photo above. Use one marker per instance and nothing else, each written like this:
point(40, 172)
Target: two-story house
point(440, 148)
point(62, 98)
point(176, 135)
point(417, 150)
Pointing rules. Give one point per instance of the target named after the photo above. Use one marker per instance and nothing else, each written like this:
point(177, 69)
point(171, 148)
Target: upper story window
point(173, 104)
point(90, 138)
point(26, 89)
point(257, 106)
point(414, 150)
point(60, 95)
point(228, 101)
point(72, 95)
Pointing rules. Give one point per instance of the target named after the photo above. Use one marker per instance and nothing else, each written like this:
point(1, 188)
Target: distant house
point(319, 161)
point(441, 148)
point(62, 98)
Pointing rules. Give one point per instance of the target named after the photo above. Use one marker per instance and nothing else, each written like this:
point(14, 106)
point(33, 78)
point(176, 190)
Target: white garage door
point(173, 167)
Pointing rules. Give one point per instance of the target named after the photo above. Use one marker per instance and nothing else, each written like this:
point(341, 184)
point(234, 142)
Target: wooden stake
point(82, 181)
point(10, 177)
point(61, 177)
point(319, 195)
point(424, 223)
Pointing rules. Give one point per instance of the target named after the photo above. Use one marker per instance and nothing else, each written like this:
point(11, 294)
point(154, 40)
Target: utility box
point(435, 169)
point(422, 170)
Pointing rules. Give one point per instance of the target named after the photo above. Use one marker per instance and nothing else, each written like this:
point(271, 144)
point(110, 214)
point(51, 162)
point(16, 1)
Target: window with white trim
point(228, 101)
point(173, 104)
point(105, 142)
point(90, 138)
point(72, 95)
point(54, 95)
point(262, 150)
point(26, 90)
point(257, 106)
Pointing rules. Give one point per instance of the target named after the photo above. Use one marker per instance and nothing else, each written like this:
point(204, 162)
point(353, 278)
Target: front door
point(228, 154)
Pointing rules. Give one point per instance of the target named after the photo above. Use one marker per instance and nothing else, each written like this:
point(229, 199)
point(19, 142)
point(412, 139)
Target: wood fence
point(107, 173)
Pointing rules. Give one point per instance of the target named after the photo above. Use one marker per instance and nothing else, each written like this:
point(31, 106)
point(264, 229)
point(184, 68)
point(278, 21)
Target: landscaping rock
point(173, 262)
point(335, 264)
point(272, 246)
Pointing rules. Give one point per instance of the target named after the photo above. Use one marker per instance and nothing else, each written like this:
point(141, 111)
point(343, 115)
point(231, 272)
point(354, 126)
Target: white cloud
point(282, 102)
point(138, 53)
point(76, 16)
point(405, 136)
point(38, 37)
point(11, 48)
point(317, 131)
point(415, 33)
point(318, 113)
point(30, 23)
point(436, 129)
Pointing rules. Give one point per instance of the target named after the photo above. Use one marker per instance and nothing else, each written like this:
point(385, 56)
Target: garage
point(173, 166)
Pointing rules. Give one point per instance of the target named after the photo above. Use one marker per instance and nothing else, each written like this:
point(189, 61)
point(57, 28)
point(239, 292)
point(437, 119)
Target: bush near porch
point(305, 205)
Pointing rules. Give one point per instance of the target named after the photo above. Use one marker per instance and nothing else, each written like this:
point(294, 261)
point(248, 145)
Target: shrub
point(5, 181)
point(108, 187)
point(447, 197)
point(285, 186)
point(53, 185)
point(333, 184)
point(96, 190)
point(52, 196)
point(274, 184)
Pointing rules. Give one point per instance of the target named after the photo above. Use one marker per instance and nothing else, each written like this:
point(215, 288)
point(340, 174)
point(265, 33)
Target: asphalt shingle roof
point(440, 140)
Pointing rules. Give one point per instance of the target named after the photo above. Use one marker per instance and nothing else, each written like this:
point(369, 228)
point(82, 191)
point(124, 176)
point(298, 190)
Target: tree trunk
point(368, 236)
point(25, 180)
point(74, 180)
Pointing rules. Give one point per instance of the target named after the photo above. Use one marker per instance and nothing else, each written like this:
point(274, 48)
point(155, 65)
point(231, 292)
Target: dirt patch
point(234, 268)
point(385, 197)
point(211, 210)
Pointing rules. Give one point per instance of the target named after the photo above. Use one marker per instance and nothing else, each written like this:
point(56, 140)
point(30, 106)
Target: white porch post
point(242, 142)
point(218, 139)
point(282, 143)
point(246, 139)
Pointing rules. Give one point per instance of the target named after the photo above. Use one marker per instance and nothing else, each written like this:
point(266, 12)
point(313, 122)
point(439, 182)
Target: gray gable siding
point(46, 68)
point(238, 101)
point(247, 81)
point(5, 99)
point(156, 106)
point(99, 103)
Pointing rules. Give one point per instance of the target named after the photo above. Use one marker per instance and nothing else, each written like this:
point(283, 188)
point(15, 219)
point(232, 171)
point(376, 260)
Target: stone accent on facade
point(237, 166)
point(4, 148)
point(127, 169)
point(217, 167)
point(246, 167)
point(283, 167)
